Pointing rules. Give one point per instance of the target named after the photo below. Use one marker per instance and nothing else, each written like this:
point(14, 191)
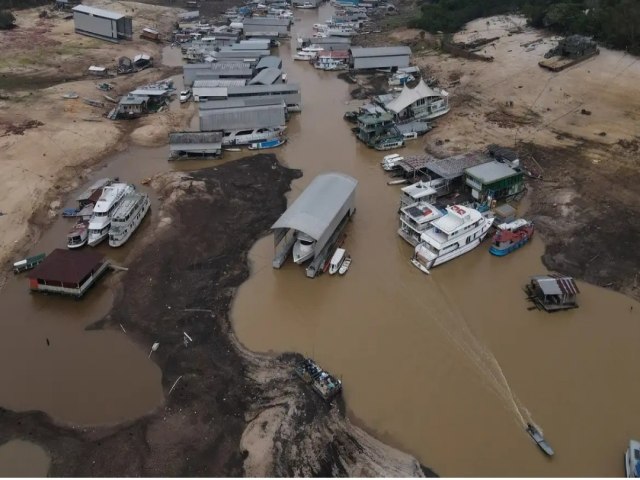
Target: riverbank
point(228, 412)
point(51, 144)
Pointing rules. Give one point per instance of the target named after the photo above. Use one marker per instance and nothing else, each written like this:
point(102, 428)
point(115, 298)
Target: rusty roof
point(67, 266)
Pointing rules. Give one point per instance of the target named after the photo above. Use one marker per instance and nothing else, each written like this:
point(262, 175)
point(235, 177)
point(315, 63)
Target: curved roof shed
point(321, 207)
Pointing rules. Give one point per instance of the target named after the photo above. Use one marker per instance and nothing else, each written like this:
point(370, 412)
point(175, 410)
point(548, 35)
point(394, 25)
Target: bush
point(7, 20)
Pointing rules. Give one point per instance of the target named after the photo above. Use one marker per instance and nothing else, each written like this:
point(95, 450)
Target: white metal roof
point(98, 12)
point(359, 52)
point(409, 96)
point(315, 208)
point(491, 172)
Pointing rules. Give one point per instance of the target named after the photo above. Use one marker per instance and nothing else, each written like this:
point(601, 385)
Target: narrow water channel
point(443, 366)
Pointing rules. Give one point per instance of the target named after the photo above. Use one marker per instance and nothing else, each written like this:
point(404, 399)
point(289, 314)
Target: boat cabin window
point(306, 242)
point(245, 132)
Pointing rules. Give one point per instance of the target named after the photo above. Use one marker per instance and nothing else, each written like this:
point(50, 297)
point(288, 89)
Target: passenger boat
point(303, 248)
point(127, 217)
point(304, 56)
point(273, 143)
point(246, 137)
point(103, 211)
point(415, 220)
point(456, 233)
point(345, 265)
point(336, 261)
point(78, 235)
point(539, 439)
point(632, 459)
point(389, 144)
point(340, 32)
point(511, 236)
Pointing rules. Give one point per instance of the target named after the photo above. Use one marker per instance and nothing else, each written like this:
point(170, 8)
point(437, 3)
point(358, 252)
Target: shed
point(241, 102)
point(454, 167)
point(289, 92)
point(269, 62)
point(494, 181)
point(67, 272)
point(195, 143)
point(552, 292)
point(367, 58)
point(265, 26)
point(203, 94)
point(320, 213)
point(239, 118)
point(104, 24)
point(267, 76)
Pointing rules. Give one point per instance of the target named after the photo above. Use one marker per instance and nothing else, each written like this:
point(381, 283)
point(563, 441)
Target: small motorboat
point(539, 439)
point(336, 261)
point(345, 265)
point(276, 142)
point(632, 459)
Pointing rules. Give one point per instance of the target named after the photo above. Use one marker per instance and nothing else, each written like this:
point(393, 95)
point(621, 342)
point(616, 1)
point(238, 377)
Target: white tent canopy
point(408, 96)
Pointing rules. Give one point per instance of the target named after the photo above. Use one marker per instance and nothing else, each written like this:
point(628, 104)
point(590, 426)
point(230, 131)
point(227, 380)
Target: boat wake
point(451, 321)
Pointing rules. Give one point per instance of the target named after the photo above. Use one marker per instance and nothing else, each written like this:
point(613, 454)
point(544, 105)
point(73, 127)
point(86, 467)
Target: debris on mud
point(20, 128)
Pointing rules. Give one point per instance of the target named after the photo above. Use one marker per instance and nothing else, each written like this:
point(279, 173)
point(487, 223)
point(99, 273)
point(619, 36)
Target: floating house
point(205, 144)
point(103, 24)
point(231, 118)
point(212, 71)
point(552, 292)
point(68, 272)
point(494, 181)
point(131, 106)
point(370, 58)
point(419, 103)
point(266, 27)
point(318, 217)
point(374, 129)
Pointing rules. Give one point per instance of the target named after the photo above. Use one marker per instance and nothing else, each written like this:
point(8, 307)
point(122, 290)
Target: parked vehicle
point(185, 95)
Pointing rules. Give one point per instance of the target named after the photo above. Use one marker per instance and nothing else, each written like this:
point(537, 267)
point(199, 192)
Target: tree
point(7, 20)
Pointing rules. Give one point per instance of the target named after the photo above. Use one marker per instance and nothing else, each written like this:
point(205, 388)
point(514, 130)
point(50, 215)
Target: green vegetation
point(7, 20)
point(613, 22)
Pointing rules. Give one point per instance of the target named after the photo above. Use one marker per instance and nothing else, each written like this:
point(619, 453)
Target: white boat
point(103, 211)
point(78, 235)
point(127, 217)
point(416, 219)
point(303, 249)
point(345, 265)
point(456, 233)
point(304, 56)
point(247, 137)
point(313, 48)
point(320, 27)
point(390, 162)
point(340, 32)
point(632, 459)
point(305, 5)
point(336, 261)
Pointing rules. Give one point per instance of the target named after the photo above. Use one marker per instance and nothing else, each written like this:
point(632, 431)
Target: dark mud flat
point(232, 412)
point(587, 209)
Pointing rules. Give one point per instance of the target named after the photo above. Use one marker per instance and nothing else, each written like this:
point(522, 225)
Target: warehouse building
point(269, 62)
point(233, 118)
point(204, 144)
point(379, 57)
point(494, 181)
point(212, 71)
point(229, 54)
point(103, 24)
point(310, 227)
point(267, 76)
point(289, 92)
point(266, 27)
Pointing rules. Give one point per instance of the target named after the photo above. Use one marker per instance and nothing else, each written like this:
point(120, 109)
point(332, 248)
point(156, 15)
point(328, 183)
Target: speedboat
point(273, 143)
point(454, 234)
point(632, 459)
point(303, 249)
point(539, 439)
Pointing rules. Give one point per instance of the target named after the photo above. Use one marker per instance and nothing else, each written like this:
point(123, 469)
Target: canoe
point(345, 265)
point(276, 142)
point(539, 439)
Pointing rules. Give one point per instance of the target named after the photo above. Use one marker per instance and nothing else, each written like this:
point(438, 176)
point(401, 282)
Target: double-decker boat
point(127, 217)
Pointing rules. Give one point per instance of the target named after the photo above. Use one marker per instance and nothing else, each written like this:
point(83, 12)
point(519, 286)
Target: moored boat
point(632, 459)
point(389, 144)
point(273, 143)
point(336, 261)
point(511, 236)
point(456, 233)
point(78, 235)
point(247, 137)
point(345, 265)
point(305, 56)
point(303, 249)
point(103, 211)
point(128, 217)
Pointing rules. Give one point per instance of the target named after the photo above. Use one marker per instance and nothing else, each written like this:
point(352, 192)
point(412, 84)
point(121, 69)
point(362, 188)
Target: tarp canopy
point(409, 96)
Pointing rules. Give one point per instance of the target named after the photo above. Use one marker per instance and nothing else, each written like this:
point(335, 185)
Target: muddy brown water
point(19, 458)
point(442, 366)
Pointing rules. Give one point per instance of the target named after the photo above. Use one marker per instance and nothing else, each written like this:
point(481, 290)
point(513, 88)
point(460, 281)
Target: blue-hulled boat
point(511, 236)
point(273, 143)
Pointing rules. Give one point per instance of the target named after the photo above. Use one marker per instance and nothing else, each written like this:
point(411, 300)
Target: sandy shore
point(67, 137)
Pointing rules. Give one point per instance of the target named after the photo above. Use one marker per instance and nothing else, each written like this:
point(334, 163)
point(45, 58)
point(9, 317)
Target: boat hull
point(94, 240)
point(501, 252)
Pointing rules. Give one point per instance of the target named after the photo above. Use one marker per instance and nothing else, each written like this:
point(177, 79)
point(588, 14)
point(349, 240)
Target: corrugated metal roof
point(455, 166)
point(219, 92)
point(134, 100)
point(251, 45)
point(149, 92)
point(67, 266)
point(267, 21)
point(265, 89)
point(268, 76)
point(491, 172)
point(242, 118)
point(314, 210)
point(241, 102)
point(218, 82)
point(362, 52)
point(195, 137)
point(227, 52)
point(332, 40)
point(196, 147)
point(556, 285)
point(215, 67)
point(98, 12)
point(269, 62)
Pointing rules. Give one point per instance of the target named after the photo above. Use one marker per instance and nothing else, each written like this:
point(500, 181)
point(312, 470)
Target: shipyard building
point(103, 24)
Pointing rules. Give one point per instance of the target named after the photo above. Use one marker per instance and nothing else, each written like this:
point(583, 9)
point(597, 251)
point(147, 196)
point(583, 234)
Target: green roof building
point(494, 181)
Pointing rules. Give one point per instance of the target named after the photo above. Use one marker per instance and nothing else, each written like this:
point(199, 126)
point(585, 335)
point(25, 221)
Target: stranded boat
point(273, 143)
point(456, 233)
point(78, 235)
point(632, 459)
point(325, 384)
point(539, 439)
point(103, 211)
point(127, 217)
point(511, 236)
